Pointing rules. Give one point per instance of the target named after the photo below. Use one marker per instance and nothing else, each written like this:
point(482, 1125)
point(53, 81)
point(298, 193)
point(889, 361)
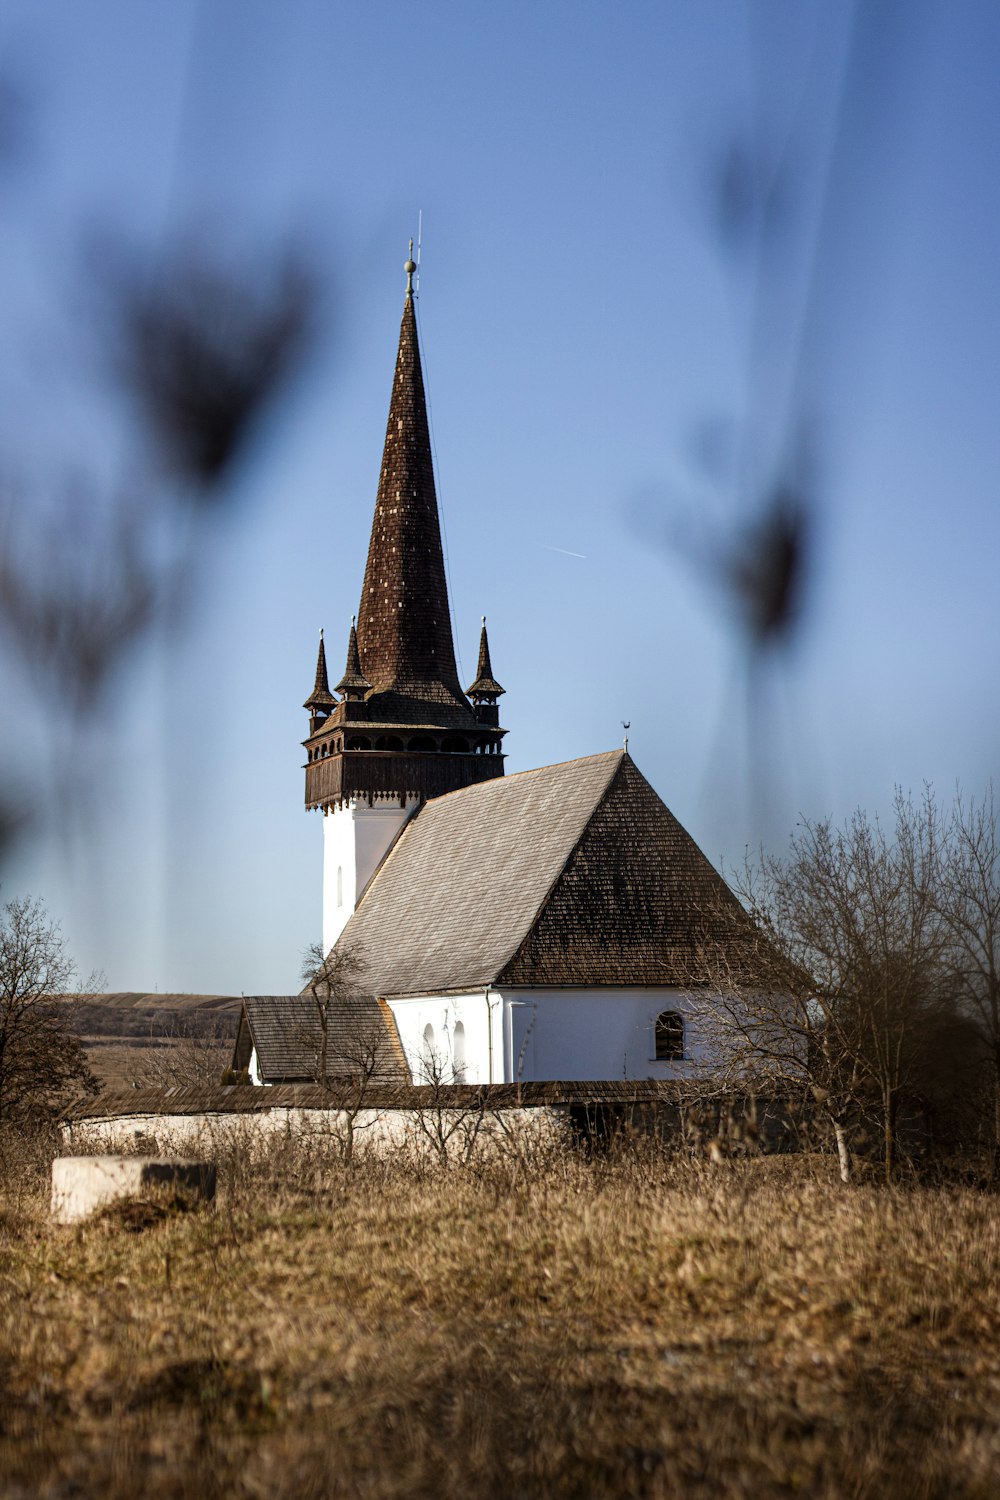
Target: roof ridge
point(512, 776)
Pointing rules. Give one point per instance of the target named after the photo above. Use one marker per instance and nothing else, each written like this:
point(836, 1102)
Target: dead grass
point(634, 1328)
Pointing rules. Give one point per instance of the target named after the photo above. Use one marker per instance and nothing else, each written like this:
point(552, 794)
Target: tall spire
point(403, 730)
point(404, 624)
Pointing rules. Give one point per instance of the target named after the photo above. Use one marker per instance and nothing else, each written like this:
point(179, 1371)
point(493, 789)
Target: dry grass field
point(131, 1037)
point(562, 1328)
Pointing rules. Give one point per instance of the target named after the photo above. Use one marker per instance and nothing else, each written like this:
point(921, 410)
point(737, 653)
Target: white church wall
point(599, 1033)
point(468, 1027)
point(355, 839)
point(533, 1035)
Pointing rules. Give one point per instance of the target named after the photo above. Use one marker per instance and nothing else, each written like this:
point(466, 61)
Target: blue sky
point(589, 336)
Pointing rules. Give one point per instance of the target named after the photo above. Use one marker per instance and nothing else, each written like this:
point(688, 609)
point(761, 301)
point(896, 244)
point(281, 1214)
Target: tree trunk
point(843, 1151)
point(995, 1166)
point(889, 1132)
point(323, 1013)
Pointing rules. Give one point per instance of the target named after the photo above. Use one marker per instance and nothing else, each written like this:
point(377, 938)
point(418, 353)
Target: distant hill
point(134, 1037)
point(128, 1013)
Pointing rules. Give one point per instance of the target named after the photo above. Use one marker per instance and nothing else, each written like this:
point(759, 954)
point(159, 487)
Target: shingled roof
point(574, 874)
point(285, 1030)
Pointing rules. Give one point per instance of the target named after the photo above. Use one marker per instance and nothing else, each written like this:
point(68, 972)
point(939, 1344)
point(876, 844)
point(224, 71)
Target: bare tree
point(41, 1058)
point(329, 978)
point(971, 903)
point(363, 1053)
point(190, 1052)
point(766, 1025)
point(448, 1114)
point(841, 978)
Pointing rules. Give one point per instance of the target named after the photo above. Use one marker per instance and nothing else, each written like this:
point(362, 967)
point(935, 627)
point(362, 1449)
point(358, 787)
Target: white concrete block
point(82, 1184)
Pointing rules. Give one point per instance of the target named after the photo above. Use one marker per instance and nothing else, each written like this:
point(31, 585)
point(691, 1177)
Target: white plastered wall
point(531, 1035)
point(355, 839)
point(479, 1013)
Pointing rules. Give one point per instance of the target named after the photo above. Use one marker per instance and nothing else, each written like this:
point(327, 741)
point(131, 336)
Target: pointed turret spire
point(404, 625)
point(485, 691)
point(320, 697)
point(321, 701)
point(354, 684)
point(485, 685)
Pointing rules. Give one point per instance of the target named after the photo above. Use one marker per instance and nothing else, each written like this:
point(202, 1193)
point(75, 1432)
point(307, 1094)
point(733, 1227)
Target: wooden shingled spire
point(404, 729)
point(404, 623)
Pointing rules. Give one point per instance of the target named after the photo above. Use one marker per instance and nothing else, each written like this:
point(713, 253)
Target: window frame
point(674, 1019)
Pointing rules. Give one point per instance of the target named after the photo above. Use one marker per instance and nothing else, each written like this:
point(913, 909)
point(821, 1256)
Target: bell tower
point(403, 730)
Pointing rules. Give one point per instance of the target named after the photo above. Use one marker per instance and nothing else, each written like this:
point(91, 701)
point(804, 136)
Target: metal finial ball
point(410, 267)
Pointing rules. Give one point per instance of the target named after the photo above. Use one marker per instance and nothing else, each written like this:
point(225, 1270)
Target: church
point(478, 928)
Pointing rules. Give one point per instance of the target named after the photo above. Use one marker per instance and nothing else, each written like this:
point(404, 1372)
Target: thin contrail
point(565, 551)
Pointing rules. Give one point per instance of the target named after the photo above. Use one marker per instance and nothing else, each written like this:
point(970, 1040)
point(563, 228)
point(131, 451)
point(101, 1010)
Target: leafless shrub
point(971, 906)
point(839, 981)
point(203, 350)
point(41, 1059)
point(190, 1053)
point(78, 587)
point(88, 565)
point(354, 1047)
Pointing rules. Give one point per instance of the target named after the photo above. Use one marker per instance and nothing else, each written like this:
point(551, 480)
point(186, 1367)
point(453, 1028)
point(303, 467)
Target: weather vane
point(626, 725)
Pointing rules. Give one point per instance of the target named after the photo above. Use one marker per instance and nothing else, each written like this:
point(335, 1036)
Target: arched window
point(459, 1041)
point(669, 1036)
point(429, 1058)
point(456, 746)
point(340, 885)
point(422, 742)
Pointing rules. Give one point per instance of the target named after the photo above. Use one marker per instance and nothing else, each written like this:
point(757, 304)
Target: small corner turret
point(485, 691)
point(321, 701)
point(354, 684)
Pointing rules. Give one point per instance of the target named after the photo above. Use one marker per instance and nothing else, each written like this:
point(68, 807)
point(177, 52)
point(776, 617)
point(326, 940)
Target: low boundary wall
point(182, 1119)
